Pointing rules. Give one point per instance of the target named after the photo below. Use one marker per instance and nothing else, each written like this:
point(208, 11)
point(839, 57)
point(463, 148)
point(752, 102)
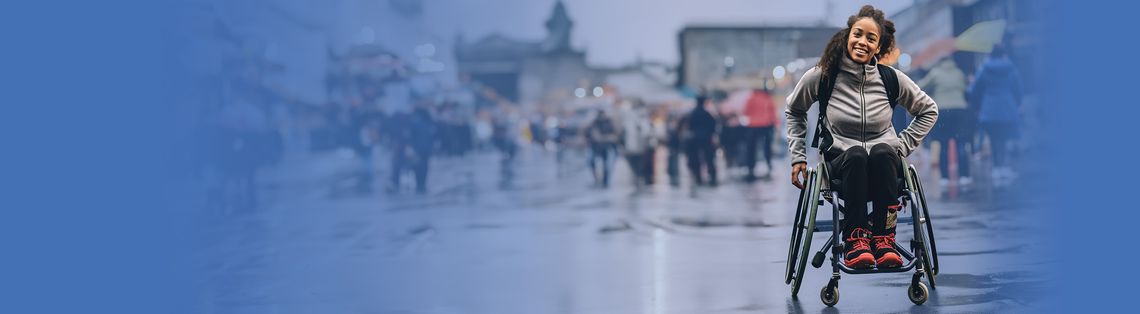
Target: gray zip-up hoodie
point(859, 113)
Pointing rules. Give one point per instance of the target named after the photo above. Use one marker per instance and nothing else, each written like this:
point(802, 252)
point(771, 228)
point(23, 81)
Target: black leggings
point(701, 155)
point(956, 124)
point(758, 139)
point(867, 177)
point(1000, 133)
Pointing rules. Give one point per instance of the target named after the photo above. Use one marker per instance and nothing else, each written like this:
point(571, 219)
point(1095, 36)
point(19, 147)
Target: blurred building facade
point(714, 53)
point(1021, 32)
point(928, 28)
point(550, 72)
point(521, 71)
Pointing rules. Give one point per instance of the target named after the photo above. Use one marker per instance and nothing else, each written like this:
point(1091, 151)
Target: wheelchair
point(922, 256)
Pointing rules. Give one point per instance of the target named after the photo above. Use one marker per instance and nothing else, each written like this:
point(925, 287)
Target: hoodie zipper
point(863, 107)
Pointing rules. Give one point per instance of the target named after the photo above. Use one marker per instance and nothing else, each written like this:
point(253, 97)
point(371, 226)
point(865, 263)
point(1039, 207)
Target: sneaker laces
point(886, 241)
point(859, 241)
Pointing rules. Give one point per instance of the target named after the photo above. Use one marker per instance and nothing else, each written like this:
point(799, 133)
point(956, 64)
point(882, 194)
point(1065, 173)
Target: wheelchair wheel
point(813, 206)
point(917, 293)
point(829, 295)
point(925, 235)
point(797, 235)
point(932, 247)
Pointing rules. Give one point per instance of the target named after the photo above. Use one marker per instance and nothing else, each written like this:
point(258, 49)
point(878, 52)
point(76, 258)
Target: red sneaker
point(859, 250)
point(885, 254)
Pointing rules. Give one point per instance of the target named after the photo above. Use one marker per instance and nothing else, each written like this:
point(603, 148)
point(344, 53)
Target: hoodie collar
point(854, 68)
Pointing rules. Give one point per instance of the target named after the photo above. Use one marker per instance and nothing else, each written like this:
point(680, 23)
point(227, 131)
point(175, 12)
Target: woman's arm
point(922, 107)
point(799, 101)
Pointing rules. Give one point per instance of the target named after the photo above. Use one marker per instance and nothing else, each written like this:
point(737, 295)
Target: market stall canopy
point(934, 51)
point(981, 37)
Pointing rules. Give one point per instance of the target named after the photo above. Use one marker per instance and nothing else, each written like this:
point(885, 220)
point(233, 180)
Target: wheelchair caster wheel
point(917, 293)
point(829, 295)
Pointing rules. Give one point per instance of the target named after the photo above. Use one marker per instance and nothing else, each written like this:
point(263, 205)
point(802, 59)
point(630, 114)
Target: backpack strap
point(891, 81)
point(823, 95)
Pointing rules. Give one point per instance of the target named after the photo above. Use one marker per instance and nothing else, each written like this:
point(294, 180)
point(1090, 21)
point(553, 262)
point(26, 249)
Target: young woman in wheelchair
point(862, 150)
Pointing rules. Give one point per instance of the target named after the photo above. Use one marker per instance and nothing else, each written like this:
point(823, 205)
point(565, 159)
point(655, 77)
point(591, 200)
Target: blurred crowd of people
point(991, 99)
point(699, 132)
point(377, 107)
point(384, 111)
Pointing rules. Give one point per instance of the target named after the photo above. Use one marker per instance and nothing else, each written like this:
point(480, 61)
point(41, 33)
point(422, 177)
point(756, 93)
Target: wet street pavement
point(551, 243)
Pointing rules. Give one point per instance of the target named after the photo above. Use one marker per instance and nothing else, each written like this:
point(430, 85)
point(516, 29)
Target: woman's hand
point(799, 170)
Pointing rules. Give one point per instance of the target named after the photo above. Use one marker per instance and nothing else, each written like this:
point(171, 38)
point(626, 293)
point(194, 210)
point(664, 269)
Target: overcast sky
point(616, 32)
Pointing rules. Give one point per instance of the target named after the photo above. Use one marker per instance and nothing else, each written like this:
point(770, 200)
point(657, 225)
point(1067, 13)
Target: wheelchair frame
point(922, 256)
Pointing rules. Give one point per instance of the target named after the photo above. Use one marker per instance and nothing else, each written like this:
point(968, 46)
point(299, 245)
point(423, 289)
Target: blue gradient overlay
point(106, 135)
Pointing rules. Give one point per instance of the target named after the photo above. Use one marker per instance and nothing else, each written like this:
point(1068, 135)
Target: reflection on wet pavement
point(553, 245)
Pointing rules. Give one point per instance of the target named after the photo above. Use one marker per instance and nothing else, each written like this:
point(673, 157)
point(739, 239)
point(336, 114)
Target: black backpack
point(827, 84)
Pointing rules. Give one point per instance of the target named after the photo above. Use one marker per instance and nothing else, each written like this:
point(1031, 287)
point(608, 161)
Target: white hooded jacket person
point(637, 132)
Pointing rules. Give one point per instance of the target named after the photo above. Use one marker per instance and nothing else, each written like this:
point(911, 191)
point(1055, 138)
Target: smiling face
point(863, 40)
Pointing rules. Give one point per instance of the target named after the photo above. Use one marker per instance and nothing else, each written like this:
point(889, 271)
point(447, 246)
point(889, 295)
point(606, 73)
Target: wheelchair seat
point(836, 186)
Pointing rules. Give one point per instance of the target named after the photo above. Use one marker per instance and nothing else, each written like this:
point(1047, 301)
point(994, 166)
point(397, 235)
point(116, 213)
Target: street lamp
point(729, 62)
point(904, 61)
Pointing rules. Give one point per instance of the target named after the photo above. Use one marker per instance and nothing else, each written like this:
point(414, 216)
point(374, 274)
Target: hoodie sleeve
point(799, 101)
point(919, 105)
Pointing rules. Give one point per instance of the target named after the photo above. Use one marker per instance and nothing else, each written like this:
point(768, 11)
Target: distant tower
point(558, 27)
point(828, 9)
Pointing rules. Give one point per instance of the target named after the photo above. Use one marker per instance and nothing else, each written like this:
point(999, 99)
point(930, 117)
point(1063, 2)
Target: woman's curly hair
point(837, 47)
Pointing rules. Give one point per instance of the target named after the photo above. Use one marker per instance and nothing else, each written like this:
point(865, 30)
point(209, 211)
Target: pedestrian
point(504, 136)
point(563, 139)
point(659, 127)
point(858, 139)
point(243, 125)
point(368, 125)
point(732, 137)
point(701, 145)
point(364, 133)
point(948, 86)
point(676, 137)
point(637, 143)
point(602, 136)
point(997, 90)
point(760, 122)
point(414, 143)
